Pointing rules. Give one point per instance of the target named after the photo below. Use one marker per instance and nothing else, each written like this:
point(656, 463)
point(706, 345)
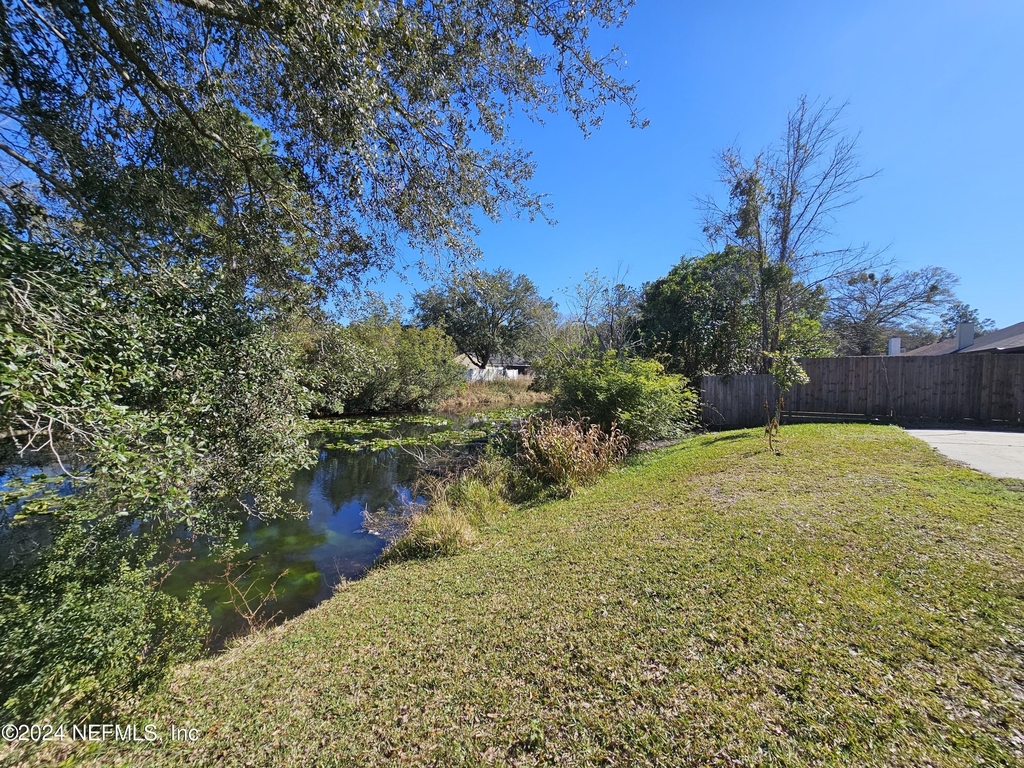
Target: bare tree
point(605, 310)
point(867, 307)
point(249, 600)
point(781, 210)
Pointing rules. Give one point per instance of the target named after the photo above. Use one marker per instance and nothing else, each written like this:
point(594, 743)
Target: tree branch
point(247, 15)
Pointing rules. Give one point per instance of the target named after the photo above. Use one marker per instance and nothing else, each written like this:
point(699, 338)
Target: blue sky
point(934, 88)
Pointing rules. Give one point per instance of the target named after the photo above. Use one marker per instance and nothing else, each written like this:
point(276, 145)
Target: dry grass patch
point(500, 393)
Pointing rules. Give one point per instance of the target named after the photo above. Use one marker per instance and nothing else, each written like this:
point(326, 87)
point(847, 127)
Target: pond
point(365, 466)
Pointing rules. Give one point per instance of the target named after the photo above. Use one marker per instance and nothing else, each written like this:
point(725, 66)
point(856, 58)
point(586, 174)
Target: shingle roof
point(1011, 337)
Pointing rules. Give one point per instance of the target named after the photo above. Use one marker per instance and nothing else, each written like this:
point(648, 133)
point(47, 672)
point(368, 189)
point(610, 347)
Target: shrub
point(634, 396)
point(376, 365)
point(86, 629)
point(426, 372)
point(560, 455)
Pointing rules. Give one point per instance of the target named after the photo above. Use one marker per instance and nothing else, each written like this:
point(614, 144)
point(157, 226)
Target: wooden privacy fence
point(977, 387)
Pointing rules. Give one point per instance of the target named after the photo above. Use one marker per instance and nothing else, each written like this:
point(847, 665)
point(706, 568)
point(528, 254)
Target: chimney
point(895, 344)
point(964, 335)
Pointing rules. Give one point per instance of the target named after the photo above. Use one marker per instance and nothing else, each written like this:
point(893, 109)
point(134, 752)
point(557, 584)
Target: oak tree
point(487, 314)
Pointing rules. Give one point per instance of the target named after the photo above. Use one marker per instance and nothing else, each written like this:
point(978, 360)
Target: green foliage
point(806, 334)
point(787, 372)
point(427, 372)
point(335, 366)
point(557, 456)
point(161, 402)
point(634, 396)
point(376, 365)
point(487, 314)
point(458, 506)
point(701, 317)
point(216, 124)
point(139, 378)
point(704, 317)
point(86, 628)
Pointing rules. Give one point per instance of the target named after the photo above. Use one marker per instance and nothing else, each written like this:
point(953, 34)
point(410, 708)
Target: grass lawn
point(857, 600)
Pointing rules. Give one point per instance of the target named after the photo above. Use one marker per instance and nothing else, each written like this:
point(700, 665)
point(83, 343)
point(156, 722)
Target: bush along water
point(630, 395)
point(601, 409)
point(527, 459)
point(375, 365)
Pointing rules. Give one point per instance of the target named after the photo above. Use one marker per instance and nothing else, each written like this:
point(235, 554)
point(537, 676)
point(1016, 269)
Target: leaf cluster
point(701, 315)
point(632, 396)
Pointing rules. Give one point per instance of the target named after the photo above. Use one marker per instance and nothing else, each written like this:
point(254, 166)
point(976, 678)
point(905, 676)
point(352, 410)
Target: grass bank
point(500, 393)
point(857, 600)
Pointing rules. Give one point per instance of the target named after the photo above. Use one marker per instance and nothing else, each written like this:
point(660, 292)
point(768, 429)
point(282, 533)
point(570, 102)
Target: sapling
point(787, 372)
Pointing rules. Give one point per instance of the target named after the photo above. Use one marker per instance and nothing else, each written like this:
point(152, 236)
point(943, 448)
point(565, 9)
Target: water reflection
point(303, 559)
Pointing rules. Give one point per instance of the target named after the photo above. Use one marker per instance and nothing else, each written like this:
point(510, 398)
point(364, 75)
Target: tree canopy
point(701, 315)
point(180, 181)
point(868, 307)
point(299, 139)
point(487, 314)
point(957, 312)
point(705, 316)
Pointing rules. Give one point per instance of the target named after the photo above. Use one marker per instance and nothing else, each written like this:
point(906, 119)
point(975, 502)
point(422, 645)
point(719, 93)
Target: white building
point(497, 368)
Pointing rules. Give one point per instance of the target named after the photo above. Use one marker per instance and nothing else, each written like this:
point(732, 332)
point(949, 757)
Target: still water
point(304, 558)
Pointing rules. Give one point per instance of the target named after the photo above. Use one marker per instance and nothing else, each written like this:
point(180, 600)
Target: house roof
point(497, 362)
point(1009, 339)
point(509, 362)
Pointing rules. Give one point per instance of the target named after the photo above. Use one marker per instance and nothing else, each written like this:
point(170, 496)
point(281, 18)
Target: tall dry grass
point(457, 506)
point(557, 456)
point(500, 393)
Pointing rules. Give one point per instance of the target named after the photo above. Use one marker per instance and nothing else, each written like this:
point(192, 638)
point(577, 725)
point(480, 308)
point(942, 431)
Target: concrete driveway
point(1000, 454)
